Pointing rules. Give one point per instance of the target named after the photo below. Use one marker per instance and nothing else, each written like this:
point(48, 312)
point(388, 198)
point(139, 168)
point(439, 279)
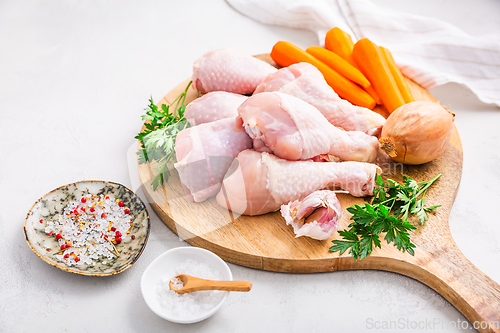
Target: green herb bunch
point(161, 126)
point(388, 213)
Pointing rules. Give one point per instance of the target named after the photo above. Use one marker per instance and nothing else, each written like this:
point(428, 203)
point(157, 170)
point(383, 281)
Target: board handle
point(451, 274)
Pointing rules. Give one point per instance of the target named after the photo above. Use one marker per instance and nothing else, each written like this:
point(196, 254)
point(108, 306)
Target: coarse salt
point(177, 283)
point(192, 304)
point(83, 230)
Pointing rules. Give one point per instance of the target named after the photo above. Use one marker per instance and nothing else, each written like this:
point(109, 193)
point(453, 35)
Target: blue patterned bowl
point(51, 205)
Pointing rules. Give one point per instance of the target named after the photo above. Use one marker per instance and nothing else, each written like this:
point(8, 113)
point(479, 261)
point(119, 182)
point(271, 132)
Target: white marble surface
point(74, 79)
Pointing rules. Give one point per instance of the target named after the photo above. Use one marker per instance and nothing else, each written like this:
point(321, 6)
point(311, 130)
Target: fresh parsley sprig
point(161, 127)
point(405, 199)
point(371, 220)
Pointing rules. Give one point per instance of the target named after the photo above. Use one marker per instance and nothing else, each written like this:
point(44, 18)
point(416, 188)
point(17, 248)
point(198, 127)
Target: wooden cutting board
point(266, 242)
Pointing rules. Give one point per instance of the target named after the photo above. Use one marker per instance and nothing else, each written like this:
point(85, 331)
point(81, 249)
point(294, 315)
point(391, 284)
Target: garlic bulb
point(315, 216)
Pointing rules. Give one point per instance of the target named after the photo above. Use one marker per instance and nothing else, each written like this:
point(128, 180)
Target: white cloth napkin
point(428, 51)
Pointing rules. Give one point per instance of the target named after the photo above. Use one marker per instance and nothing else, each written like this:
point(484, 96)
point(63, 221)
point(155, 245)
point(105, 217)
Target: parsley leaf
point(157, 139)
point(388, 213)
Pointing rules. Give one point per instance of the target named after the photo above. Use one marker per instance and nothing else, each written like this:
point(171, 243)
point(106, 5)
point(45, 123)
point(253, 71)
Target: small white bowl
point(165, 266)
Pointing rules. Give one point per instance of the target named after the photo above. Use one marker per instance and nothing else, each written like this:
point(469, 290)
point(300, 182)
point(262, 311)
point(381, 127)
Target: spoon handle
point(201, 284)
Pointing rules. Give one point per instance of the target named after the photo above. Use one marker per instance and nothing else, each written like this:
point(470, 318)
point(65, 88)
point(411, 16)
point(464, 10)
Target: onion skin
point(417, 132)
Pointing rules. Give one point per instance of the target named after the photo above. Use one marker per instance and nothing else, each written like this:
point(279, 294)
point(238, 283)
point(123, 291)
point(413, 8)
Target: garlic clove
point(308, 205)
point(315, 216)
point(321, 215)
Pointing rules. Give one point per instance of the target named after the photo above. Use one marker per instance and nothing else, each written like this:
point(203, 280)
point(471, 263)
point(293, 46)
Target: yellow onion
point(417, 132)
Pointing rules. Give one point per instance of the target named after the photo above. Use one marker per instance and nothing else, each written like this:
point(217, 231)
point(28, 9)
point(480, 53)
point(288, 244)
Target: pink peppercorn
point(58, 236)
point(121, 204)
point(83, 200)
point(118, 234)
point(64, 246)
point(118, 240)
point(77, 259)
point(113, 229)
point(127, 211)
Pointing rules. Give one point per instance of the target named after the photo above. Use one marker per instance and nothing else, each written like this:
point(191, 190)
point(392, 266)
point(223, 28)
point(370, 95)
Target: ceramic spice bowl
point(181, 307)
point(51, 206)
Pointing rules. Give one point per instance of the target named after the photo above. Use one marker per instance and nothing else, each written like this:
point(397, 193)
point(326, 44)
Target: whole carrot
point(286, 54)
point(373, 93)
point(404, 89)
point(372, 63)
point(340, 42)
point(338, 64)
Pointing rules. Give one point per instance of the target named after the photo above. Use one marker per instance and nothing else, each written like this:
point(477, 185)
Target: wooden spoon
point(192, 284)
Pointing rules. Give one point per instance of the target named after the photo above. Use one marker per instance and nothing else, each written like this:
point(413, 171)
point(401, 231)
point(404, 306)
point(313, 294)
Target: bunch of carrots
point(362, 73)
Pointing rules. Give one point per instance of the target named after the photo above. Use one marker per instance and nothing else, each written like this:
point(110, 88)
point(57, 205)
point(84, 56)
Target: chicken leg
point(204, 153)
point(213, 106)
point(229, 70)
point(295, 130)
point(306, 82)
point(259, 183)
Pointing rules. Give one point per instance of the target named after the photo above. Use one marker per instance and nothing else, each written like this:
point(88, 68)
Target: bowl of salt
point(190, 307)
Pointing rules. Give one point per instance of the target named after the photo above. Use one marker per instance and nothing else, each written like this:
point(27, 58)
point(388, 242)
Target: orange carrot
point(404, 89)
point(338, 64)
point(286, 54)
point(373, 94)
point(340, 42)
point(371, 62)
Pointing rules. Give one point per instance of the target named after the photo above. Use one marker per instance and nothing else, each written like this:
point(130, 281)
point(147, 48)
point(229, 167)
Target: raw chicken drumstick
point(306, 82)
point(229, 70)
point(295, 130)
point(259, 183)
point(204, 154)
point(213, 106)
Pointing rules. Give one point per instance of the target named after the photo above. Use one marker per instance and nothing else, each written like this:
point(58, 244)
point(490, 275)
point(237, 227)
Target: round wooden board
point(266, 242)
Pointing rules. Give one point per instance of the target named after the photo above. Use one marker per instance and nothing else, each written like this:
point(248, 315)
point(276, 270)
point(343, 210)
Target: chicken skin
point(204, 154)
point(229, 70)
point(259, 183)
point(306, 82)
point(295, 130)
point(213, 106)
